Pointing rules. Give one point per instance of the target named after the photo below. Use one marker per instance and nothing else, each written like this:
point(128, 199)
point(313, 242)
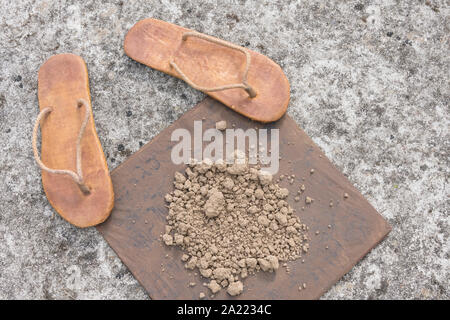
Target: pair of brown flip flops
point(75, 175)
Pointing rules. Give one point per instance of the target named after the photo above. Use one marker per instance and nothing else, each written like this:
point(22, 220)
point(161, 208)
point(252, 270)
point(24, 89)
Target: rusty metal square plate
point(138, 219)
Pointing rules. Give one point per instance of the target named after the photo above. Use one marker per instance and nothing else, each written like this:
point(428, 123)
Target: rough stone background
point(370, 85)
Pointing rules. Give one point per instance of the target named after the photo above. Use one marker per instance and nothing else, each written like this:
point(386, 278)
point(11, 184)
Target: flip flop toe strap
point(76, 176)
point(244, 85)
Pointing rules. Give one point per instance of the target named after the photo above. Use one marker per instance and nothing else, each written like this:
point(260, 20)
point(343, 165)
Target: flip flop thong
point(244, 80)
point(75, 175)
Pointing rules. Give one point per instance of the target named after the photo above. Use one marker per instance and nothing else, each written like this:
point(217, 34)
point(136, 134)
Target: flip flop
point(75, 175)
point(244, 80)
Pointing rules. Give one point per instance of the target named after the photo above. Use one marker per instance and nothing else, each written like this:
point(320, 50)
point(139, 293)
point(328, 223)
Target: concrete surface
point(370, 85)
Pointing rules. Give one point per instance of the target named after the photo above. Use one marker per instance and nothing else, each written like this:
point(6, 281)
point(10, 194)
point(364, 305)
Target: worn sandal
point(246, 81)
point(75, 175)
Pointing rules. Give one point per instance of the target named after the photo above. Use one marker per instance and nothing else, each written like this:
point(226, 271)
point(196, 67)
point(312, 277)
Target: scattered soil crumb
point(221, 125)
point(312, 171)
point(231, 221)
point(308, 200)
point(201, 295)
point(345, 195)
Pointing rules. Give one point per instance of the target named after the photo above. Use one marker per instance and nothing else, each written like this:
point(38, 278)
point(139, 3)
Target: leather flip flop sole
point(62, 81)
point(155, 43)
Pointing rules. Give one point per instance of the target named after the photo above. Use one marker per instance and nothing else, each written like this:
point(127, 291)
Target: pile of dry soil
point(231, 221)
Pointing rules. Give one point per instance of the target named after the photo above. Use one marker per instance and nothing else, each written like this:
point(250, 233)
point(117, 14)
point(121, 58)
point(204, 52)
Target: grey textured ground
point(370, 85)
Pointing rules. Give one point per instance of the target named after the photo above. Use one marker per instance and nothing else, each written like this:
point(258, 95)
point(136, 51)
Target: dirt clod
point(235, 288)
point(214, 286)
point(221, 125)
